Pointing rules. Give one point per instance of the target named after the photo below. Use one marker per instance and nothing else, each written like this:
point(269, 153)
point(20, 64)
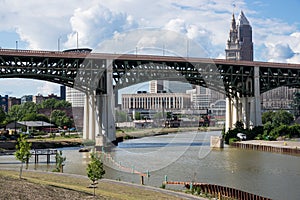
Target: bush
point(279, 131)
point(252, 134)
point(232, 140)
point(294, 131)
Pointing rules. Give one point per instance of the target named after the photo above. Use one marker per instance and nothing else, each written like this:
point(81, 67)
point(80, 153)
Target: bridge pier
point(246, 109)
point(99, 121)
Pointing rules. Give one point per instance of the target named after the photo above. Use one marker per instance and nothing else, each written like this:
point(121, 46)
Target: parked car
point(241, 136)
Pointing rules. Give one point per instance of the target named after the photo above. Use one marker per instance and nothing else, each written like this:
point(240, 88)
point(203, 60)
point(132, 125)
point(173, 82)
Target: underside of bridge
point(99, 75)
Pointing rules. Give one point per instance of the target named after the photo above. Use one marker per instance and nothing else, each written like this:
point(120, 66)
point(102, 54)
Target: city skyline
point(276, 29)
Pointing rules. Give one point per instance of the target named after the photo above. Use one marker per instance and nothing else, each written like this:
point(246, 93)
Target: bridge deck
point(59, 54)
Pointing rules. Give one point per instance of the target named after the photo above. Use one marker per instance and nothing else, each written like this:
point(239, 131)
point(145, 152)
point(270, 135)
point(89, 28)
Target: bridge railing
point(13, 51)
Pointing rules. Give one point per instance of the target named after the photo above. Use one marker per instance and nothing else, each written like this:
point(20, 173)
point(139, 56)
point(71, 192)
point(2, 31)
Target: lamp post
point(58, 44)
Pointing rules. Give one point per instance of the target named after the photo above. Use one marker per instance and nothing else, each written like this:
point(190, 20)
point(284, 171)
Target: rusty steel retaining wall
point(261, 147)
point(220, 191)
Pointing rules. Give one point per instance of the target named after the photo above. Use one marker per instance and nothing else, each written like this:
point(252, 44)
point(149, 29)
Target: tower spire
point(239, 44)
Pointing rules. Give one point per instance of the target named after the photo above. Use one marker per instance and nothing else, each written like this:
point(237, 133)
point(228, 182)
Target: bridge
point(99, 75)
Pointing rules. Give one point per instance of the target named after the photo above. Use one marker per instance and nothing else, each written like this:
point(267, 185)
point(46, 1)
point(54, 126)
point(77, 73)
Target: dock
point(43, 152)
point(284, 147)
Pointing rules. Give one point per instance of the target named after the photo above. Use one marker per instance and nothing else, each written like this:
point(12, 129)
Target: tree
point(2, 115)
point(121, 116)
point(60, 118)
point(49, 103)
point(267, 117)
point(23, 151)
point(54, 104)
point(95, 169)
point(282, 118)
point(296, 104)
point(15, 113)
point(62, 104)
point(277, 118)
point(59, 162)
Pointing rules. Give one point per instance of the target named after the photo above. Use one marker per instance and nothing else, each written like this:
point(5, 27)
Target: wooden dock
point(221, 192)
point(43, 152)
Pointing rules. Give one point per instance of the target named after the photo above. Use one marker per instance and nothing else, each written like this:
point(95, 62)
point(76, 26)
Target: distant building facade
point(62, 92)
point(26, 98)
point(158, 101)
point(4, 103)
point(13, 101)
point(76, 98)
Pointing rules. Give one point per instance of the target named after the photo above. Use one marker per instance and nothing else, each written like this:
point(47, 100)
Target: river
point(188, 157)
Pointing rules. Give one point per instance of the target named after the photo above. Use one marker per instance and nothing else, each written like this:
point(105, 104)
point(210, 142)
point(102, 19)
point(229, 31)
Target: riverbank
point(288, 147)
point(43, 143)
point(124, 134)
point(121, 135)
point(56, 186)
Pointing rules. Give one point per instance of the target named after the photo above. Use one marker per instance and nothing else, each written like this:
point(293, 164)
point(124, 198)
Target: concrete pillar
point(98, 122)
point(86, 118)
point(228, 121)
point(246, 111)
point(92, 114)
point(234, 107)
point(108, 107)
point(256, 110)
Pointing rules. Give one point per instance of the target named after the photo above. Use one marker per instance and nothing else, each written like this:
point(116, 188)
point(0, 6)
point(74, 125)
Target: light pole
point(58, 44)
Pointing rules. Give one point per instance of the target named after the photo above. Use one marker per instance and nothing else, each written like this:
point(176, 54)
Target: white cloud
point(279, 52)
point(206, 23)
point(95, 24)
point(47, 88)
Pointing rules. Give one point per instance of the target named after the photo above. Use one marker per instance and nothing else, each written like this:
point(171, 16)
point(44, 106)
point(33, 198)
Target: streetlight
point(58, 43)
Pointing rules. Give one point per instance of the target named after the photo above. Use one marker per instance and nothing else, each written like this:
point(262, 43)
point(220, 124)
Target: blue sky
point(40, 24)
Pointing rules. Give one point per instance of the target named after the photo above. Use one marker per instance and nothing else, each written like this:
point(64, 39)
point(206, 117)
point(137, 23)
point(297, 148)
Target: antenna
point(233, 6)
point(77, 39)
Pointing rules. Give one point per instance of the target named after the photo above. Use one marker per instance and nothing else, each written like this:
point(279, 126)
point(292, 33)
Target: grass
point(104, 189)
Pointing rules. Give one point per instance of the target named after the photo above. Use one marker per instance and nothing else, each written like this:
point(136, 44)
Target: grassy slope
point(106, 190)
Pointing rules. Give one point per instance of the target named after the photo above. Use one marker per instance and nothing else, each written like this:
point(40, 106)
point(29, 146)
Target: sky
point(56, 25)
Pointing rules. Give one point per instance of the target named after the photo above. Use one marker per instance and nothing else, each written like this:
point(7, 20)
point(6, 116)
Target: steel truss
point(85, 72)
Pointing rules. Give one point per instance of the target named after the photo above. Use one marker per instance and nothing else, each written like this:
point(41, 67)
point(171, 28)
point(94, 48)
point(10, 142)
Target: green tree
point(95, 169)
point(59, 162)
point(282, 117)
point(2, 115)
point(267, 117)
point(55, 104)
point(29, 117)
point(137, 116)
point(60, 118)
point(121, 116)
point(15, 113)
point(42, 117)
point(296, 104)
point(277, 118)
point(49, 103)
point(62, 104)
point(23, 151)
point(28, 107)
